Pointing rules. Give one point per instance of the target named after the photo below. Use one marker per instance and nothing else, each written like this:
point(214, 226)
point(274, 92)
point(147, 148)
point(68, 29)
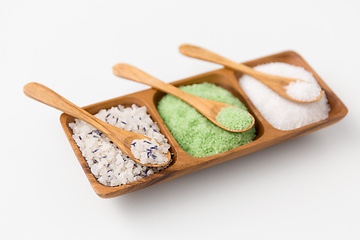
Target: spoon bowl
point(275, 83)
point(208, 108)
point(121, 138)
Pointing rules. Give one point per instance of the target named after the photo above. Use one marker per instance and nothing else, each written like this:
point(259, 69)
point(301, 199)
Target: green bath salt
point(195, 134)
point(234, 118)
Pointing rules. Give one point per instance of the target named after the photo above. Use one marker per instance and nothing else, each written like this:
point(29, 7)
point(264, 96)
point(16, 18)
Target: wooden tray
point(182, 162)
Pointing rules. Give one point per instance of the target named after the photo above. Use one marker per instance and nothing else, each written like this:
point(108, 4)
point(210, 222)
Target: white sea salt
point(108, 163)
point(303, 91)
point(282, 113)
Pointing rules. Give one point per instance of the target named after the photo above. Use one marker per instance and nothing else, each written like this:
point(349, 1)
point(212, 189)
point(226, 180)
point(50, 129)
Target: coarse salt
point(109, 165)
point(149, 152)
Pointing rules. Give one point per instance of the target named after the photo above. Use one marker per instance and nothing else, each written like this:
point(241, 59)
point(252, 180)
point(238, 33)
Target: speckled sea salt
point(149, 152)
point(108, 164)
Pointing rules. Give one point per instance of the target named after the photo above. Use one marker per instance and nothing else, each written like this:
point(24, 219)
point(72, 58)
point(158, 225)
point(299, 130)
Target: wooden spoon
point(276, 83)
point(206, 107)
point(121, 138)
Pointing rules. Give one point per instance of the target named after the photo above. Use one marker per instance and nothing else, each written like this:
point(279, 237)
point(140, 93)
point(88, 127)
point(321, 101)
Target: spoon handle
point(120, 138)
point(132, 73)
point(47, 96)
point(203, 54)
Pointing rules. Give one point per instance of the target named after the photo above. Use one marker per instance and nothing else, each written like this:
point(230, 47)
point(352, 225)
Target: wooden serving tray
point(183, 163)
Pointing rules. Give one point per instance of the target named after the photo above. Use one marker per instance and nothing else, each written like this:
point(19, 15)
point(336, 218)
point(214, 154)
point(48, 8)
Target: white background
point(306, 188)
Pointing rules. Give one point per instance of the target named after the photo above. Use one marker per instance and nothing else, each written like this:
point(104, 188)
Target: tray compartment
point(222, 78)
point(126, 101)
point(337, 108)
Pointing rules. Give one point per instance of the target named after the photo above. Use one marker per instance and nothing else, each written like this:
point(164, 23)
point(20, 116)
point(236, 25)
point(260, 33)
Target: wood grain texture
point(208, 108)
point(276, 83)
point(121, 138)
point(183, 163)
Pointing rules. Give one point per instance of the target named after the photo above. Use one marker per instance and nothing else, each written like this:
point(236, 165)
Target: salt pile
point(281, 113)
point(149, 152)
point(303, 91)
point(195, 134)
point(109, 165)
point(234, 118)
